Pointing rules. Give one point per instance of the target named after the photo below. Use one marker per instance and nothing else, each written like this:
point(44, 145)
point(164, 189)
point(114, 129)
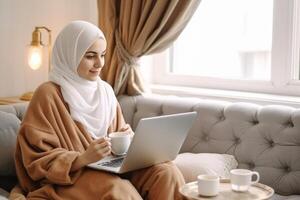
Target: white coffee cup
point(208, 185)
point(120, 142)
point(241, 179)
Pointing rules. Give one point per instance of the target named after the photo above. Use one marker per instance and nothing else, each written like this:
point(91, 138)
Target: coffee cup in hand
point(241, 179)
point(208, 185)
point(120, 142)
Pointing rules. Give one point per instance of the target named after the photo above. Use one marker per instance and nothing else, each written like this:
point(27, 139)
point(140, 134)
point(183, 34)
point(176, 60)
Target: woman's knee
point(167, 168)
point(168, 172)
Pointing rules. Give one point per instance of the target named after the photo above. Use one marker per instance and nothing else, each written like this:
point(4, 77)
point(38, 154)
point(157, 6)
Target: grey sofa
point(261, 138)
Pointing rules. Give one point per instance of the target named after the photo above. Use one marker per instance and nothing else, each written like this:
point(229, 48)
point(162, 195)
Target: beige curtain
point(134, 28)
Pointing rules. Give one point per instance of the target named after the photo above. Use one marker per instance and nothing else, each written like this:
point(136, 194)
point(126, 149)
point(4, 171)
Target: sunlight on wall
point(18, 19)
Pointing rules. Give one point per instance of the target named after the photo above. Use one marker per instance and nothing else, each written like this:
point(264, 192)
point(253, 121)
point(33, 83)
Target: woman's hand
point(97, 150)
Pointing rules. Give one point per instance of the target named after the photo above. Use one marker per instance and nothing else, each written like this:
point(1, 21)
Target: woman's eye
point(89, 56)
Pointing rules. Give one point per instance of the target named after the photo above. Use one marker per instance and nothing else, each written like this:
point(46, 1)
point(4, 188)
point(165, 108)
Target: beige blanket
point(48, 143)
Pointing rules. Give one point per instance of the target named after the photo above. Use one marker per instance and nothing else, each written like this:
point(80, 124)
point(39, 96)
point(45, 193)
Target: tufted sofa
point(261, 138)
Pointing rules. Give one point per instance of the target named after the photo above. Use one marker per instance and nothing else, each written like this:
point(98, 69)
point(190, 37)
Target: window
point(230, 39)
point(244, 45)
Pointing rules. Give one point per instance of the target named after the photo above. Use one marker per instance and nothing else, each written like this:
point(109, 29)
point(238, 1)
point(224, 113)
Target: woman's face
point(92, 61)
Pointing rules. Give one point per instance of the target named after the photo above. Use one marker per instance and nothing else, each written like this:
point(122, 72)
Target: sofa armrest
point(3, 194)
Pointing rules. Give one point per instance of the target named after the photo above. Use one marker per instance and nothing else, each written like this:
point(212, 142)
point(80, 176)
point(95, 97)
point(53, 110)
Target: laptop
point(156, 140)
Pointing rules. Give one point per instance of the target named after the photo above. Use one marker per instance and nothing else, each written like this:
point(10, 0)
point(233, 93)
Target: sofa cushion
point(9, 125)
point(191, 165)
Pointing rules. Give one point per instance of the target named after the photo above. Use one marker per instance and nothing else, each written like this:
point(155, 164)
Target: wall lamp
point(35, 54)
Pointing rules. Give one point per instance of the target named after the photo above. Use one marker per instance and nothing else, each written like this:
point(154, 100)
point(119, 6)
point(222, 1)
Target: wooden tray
point(255, 192)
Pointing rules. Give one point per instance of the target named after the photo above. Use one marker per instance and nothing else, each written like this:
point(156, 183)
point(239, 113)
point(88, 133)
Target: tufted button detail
point(271, 143)
point(237, 141)
point(287, 169)
point(222, 118)
point(290, 124)
point(255, 122)
point(206, 138)
point(251, 165)
point(135, 109)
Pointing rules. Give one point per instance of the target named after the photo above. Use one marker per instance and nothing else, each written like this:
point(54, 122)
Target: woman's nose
point(98, 63)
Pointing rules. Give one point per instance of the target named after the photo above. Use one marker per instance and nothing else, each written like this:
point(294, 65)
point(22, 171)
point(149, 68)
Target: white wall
point(17, 21)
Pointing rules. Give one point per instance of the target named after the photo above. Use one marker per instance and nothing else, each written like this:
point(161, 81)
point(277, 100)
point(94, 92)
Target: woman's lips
point(94, 72)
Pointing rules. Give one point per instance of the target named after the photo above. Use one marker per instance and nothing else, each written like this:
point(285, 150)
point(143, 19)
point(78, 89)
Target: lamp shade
point(35, 53)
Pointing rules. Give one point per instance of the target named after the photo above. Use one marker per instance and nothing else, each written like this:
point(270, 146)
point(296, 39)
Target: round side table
point(256, 191)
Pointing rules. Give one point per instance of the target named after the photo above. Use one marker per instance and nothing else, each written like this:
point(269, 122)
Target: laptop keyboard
point(113, 163)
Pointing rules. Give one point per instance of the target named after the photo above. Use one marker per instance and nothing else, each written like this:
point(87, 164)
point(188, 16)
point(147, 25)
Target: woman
point(65, 127)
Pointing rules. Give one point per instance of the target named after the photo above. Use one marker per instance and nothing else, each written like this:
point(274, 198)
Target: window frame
point(284, 58)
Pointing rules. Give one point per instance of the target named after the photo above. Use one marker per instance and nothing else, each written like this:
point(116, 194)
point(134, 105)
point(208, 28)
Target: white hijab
point(92, 103)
